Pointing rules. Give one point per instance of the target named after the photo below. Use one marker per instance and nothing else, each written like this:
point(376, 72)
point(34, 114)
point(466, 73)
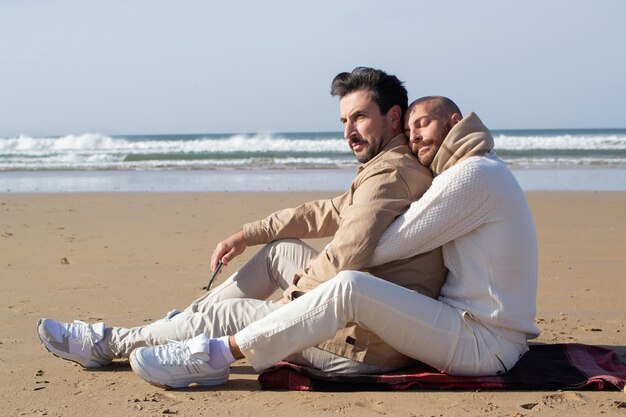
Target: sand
point(129, 258)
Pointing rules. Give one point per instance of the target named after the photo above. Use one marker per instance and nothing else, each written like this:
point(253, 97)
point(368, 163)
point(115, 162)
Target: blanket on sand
point(543, 367)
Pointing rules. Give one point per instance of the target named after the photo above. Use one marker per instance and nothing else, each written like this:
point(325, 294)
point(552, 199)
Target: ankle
point(220, 353)
point(225, 349)
point(106, 344)
point(234, 348)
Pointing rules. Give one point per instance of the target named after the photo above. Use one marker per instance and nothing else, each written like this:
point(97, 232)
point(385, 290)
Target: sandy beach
point(128, 258)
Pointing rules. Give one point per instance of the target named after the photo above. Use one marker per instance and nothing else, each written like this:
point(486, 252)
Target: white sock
point(220, 353)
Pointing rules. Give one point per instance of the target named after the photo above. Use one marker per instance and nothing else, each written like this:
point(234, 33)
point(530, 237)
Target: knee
point(351, 279)
point(348, 276)
point(347, 288)
point(281, 244)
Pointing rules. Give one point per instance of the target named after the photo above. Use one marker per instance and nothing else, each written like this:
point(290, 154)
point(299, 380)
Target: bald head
point(427, 123)
point(440, 106)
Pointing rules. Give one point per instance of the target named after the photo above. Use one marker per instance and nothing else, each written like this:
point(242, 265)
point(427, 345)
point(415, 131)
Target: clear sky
point(154, 66)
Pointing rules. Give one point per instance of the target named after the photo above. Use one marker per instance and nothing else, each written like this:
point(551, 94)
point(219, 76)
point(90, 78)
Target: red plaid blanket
point(556, 366)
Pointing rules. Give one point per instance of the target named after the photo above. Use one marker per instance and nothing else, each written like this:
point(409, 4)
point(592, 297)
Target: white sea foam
point(107, 162)
point(94, 142)
point(551, 162)
point(94, 151)
point(585, 142)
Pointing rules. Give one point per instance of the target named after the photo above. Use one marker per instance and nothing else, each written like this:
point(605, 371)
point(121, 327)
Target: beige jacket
point(383, 188)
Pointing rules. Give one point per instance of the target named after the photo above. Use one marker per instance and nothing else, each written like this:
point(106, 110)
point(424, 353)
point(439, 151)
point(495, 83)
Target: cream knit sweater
point(476, 210)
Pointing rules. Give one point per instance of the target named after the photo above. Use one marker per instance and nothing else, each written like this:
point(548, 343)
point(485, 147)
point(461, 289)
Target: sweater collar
point(469, 137)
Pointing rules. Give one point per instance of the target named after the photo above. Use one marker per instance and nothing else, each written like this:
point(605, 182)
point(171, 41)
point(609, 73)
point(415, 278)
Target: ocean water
point(72, 162)
point(316, 150)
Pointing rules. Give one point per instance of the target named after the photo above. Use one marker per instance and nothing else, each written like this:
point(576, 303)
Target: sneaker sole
point(64, 355)
point(148, 378)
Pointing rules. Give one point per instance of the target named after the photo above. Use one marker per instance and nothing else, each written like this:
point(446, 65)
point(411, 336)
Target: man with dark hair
point(371, 109)
point(386, 90)
point(480, 323)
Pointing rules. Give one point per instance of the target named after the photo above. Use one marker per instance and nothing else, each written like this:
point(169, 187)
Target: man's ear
point(395, 116)
point(455, 118)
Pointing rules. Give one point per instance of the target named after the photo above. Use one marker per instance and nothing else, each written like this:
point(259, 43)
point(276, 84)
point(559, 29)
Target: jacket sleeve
point(310, 220)
point(377, 200)
point(457, 203)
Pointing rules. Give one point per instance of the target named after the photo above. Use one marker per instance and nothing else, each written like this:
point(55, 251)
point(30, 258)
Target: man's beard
point(428, 159)
point(367, 154)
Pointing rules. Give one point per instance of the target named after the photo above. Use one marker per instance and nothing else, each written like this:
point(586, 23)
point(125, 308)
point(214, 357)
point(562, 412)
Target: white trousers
point(415, 325)
point(236, 303)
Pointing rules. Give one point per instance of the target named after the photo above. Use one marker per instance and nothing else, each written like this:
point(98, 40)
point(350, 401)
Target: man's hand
point(228, 249)
point(283, 300)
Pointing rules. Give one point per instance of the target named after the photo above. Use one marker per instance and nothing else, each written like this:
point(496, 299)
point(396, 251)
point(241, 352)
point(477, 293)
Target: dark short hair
point(387, 90)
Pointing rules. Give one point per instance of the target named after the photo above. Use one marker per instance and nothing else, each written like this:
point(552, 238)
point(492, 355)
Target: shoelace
point(80, 330)
point(173, 353)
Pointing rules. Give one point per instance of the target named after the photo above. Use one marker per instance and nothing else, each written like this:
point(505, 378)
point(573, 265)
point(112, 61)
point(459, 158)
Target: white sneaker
point(77, 342)
point(178, 364)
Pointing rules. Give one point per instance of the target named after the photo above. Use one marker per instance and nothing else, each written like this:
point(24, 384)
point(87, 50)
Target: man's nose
point(414, 138)
point(349, 130)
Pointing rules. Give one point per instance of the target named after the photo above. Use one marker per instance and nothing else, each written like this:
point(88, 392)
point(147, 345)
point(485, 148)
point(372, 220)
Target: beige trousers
point(422, 328)
point(236, 303)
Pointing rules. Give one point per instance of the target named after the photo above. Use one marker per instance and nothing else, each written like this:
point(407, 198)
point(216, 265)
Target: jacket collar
point(397, 140)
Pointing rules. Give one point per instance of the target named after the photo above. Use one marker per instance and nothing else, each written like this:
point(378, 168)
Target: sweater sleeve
point(456, 203)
